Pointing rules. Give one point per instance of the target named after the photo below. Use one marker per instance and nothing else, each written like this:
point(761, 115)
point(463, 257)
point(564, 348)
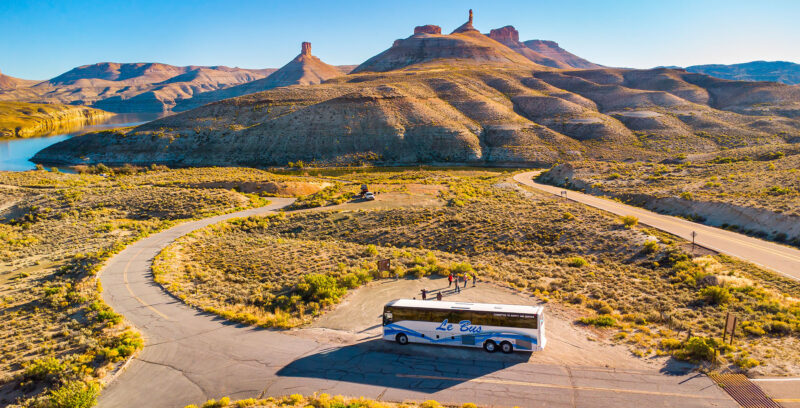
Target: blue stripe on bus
point(394, 329)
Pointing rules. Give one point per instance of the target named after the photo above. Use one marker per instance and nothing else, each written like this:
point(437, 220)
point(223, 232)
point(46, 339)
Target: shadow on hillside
point(424, 368)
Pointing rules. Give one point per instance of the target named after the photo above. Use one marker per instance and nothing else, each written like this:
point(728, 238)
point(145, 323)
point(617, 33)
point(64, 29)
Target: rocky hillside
point(460, 98)
point(305, 69)
point(546, 53)
point(19, 119)
point(774, 71)
point(550, 49)
point(139, 87)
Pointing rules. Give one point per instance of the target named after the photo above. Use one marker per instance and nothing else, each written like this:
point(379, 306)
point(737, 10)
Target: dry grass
point(654, 295)
point(55, 232)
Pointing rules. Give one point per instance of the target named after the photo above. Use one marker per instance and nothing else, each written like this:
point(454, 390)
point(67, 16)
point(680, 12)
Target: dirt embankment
point(754, 221)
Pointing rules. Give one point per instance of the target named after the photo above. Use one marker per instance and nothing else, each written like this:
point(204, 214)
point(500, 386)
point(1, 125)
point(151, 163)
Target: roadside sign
point(383, 265)
point(730, 327)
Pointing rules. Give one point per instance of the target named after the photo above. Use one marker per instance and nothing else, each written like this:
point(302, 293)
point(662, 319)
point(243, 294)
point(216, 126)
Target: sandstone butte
point(464, 97)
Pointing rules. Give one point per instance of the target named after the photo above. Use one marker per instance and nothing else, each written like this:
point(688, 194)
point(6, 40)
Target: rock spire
point(305, 48)
point(466, 27)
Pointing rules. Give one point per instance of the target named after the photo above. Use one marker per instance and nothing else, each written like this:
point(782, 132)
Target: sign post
point(730, 328)
point(694, 235)
point(383, 265)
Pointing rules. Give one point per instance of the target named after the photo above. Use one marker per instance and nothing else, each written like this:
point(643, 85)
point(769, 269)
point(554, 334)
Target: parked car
point(369, 196)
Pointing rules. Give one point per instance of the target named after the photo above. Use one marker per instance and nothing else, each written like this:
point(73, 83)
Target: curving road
point(779, 258)
point(191, 356)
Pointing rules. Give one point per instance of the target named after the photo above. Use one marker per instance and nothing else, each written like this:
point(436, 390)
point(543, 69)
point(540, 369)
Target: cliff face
point(20, 120)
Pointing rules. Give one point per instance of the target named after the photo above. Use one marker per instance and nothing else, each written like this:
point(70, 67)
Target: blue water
point(15, 154)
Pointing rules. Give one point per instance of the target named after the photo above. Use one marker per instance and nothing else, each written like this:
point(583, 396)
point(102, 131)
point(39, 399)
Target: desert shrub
point(629, 221)
point(320, 288)
point(670, 344)
point(753, 330)
point(778, 328)
point(74, 394)
point(371, 250)
point(697, 349)
point(715, 295)
point(431, 404)
point(43, 368)
point(599, 321)
point(651, 247)
point(568, 216)
point(461, 268)
point(746, 363)
point(605, 310)
point(577, 262)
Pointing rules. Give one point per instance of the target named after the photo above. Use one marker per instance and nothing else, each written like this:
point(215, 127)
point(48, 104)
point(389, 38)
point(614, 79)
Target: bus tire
point(506, 347)
point(401, 339)
point(490, 346)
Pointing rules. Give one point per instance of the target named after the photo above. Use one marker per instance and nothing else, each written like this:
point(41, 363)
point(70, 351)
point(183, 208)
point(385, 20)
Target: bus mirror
point(387, 318)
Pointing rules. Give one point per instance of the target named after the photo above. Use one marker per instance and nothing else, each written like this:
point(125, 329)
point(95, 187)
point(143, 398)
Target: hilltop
point(774, 71)
point(10, 83)
point(305, 69)
point(465, 98)
point(134, 87)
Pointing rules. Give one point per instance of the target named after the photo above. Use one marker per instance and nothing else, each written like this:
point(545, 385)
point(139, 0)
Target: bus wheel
point(490, 346)
point(401, 338)
point(506, 347)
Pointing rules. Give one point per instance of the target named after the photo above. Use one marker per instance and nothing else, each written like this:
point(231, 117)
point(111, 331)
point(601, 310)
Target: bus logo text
point(464, 326)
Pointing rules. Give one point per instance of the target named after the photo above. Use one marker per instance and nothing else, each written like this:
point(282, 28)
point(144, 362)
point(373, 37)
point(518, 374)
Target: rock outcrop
point(773, 71)
point(464, 46)
point(305, 69)
point(21, 120)
point(506, 35)
point(427, 29)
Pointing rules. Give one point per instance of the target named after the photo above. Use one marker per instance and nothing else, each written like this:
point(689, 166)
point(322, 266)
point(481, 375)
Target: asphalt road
point(779, 258)
point(191, 356)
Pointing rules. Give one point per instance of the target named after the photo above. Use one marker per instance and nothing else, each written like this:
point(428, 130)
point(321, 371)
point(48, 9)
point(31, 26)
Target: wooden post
point(694, 235)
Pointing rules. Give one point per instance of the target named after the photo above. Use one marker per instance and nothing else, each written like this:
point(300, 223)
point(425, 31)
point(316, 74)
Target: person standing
point(474, 279)
point(458, 288)
point(466, 279)
point(450, 280)
point(424, 294)
point(439, 296)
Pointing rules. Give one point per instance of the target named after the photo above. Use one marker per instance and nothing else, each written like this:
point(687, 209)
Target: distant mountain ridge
point(773, 71)
point(132, 87)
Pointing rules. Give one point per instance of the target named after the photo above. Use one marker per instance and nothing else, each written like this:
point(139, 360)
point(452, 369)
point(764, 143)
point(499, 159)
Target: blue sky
point(41, 39)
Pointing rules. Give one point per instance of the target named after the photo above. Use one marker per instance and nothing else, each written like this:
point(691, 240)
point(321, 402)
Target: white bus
point(493, 327)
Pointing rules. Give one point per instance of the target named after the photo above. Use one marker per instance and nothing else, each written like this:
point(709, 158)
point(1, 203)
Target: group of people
point(453, 279)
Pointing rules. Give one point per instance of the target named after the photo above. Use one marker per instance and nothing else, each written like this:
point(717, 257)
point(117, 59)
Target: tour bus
point(491, 326)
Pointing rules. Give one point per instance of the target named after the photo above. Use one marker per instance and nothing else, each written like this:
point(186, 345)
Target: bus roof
point(478, 307)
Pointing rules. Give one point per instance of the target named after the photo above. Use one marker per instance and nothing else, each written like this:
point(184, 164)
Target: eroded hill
point(466, 98)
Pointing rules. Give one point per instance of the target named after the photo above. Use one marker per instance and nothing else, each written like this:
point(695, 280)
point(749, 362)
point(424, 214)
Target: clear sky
point(41, 39)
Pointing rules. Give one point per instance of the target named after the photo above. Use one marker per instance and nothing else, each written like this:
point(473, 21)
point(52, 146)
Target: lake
point(15, 154)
